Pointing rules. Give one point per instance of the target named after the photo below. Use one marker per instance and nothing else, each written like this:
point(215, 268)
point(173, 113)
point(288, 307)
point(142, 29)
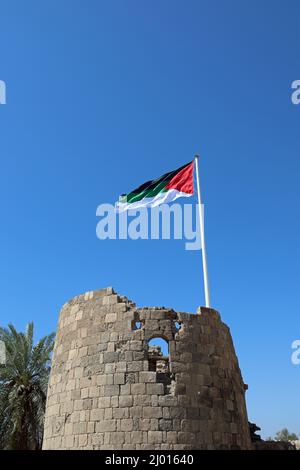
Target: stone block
point(120, 413)
point(165, 425)
point(138, 389)
point(127, 425)
point(147, 377)
point(117, 438)
point(93, 392)
point(110, 368)
point(111, 390)
point(136, 437)
point(109, 357)
point(152, 412)
point(97, 415)
point(80, 428)
point(84, 392)
point(104, 402)
point(155, 437)
point(68, 429)
point(155, 389)
point(148, 424)
point(125, 400)
point(121, 366)
point(108, 425)
point(115, 402)
point(125, 389)
point(119, 378)
point(172, 437)
point(69, 441)
point(82, 440)
point(136, 412)
point(78, 405)
point(135, 366)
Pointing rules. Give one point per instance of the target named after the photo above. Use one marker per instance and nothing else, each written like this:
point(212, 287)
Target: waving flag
point(167, 188)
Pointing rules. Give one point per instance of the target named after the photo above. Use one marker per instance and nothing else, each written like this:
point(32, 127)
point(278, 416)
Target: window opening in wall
point(159, 361)
point(136, 324)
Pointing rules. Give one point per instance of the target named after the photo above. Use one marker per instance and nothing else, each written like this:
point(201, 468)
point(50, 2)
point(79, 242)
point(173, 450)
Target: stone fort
point(109, 389)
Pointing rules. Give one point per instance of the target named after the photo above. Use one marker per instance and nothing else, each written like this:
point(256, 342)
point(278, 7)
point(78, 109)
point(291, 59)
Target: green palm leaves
point(23, 387)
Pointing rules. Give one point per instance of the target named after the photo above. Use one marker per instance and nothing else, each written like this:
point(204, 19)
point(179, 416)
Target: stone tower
point(109, 390)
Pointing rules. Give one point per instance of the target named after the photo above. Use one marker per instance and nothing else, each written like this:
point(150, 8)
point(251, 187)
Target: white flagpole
point(204, 261)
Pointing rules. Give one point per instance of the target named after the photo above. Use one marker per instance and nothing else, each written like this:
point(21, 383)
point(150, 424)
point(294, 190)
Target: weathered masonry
point(109, 389)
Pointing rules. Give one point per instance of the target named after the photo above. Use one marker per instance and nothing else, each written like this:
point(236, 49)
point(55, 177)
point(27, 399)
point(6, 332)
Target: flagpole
point(204, 260)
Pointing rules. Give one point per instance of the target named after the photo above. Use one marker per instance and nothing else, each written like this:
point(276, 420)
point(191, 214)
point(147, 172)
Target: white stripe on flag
point(161, 198)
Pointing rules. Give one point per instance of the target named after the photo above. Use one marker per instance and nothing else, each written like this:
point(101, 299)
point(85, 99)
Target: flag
point(167, 188)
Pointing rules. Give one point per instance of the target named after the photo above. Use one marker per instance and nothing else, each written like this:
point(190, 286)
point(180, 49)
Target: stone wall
point(107, 392)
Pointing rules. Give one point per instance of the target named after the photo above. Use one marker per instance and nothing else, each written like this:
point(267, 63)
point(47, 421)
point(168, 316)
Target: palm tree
point(23, 388)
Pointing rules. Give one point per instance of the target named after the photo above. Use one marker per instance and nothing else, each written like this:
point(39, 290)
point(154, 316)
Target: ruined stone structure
point(109, 390)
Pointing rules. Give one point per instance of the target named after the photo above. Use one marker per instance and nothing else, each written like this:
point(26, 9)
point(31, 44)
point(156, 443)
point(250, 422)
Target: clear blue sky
point(103, 95)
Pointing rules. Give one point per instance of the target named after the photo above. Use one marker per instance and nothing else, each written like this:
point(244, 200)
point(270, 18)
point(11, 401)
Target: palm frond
point(23, 387)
